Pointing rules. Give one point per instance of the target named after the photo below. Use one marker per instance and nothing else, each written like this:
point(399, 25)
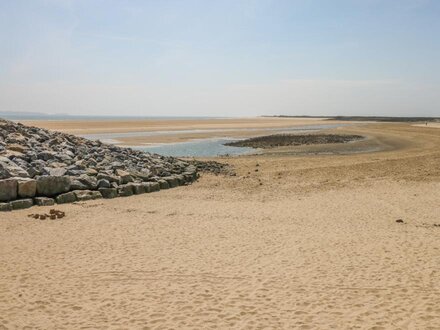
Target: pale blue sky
point(366, 57)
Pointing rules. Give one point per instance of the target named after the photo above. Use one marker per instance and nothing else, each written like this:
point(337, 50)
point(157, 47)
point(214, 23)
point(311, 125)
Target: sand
point(314, 246)
point(232, 127)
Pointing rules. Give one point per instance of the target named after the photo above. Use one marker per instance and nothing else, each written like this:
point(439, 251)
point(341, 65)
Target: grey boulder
point(26, 187)
point(8, 190)
point(52, 185)
point(44, 201)
point(86, 195)
point(21, 204)
point(69, 197)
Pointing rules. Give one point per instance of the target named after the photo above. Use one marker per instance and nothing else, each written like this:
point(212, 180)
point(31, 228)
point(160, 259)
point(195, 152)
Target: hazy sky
point(220, 58)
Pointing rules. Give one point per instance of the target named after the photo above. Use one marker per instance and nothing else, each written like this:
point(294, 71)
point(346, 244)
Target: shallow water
point(209, 147)
point(213, 147)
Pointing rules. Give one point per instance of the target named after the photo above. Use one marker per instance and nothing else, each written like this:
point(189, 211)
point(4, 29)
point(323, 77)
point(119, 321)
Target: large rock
point(9, 169)
point(124, 175)
point(21, 204)
point(146, 187)
point(103, 183)
point(137, 188)
point(8, 190)
point(85, 195)
point(52, 185)
point(125, 190)
point(84, 182)
point(26, 187)
point(55, 171)
point(163, 184)
point(5, 207)
point(108, 192)
point(110, 178)
point(44, 201)
point(154, 186)
point(69, 197)
point(172, 181)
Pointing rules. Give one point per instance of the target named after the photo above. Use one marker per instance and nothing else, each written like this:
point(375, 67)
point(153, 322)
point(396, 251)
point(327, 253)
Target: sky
point(220, 58)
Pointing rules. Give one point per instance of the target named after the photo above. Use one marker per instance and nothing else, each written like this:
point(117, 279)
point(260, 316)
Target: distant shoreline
point(366, 118)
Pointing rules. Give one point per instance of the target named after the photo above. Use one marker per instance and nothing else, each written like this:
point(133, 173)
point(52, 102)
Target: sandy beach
point(187, 129)
point(298, 239)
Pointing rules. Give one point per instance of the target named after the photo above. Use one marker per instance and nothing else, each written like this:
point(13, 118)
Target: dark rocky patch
point(213, 167)
point(283, 140)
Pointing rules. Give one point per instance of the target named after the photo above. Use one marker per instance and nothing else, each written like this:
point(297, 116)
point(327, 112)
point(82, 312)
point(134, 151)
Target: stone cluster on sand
point(283, 140)
point(41, 167)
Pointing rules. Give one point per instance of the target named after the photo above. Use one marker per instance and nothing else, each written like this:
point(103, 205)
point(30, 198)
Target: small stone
point(400, 221)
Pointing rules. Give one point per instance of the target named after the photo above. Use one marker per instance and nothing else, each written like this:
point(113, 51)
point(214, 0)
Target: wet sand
point(293, 241)
point(234, 127)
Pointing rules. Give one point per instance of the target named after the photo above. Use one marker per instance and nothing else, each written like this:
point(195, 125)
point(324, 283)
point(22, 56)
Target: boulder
point(125, 190)
point(26, 187)
point(103, 183)
point(124, 175)
point(154, 186)
point(109, 178)
point(9, 169)
point(46, 155)
point(146, 186)
point(44, 201)
point(5, 207)
point(22, 204)
point(52, 185)
point(17, 147)
point(86, 195)
point(69, 197)
point(91, 172)
point(172, 181)
point(163, 184)
point(76, 184)
point(84, 182)
point(55, 171)
point(108, 192)
point(180, 179)
point(137, 188)
point(8, 190)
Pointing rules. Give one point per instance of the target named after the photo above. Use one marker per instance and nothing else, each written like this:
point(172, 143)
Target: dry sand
point(308, 242)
